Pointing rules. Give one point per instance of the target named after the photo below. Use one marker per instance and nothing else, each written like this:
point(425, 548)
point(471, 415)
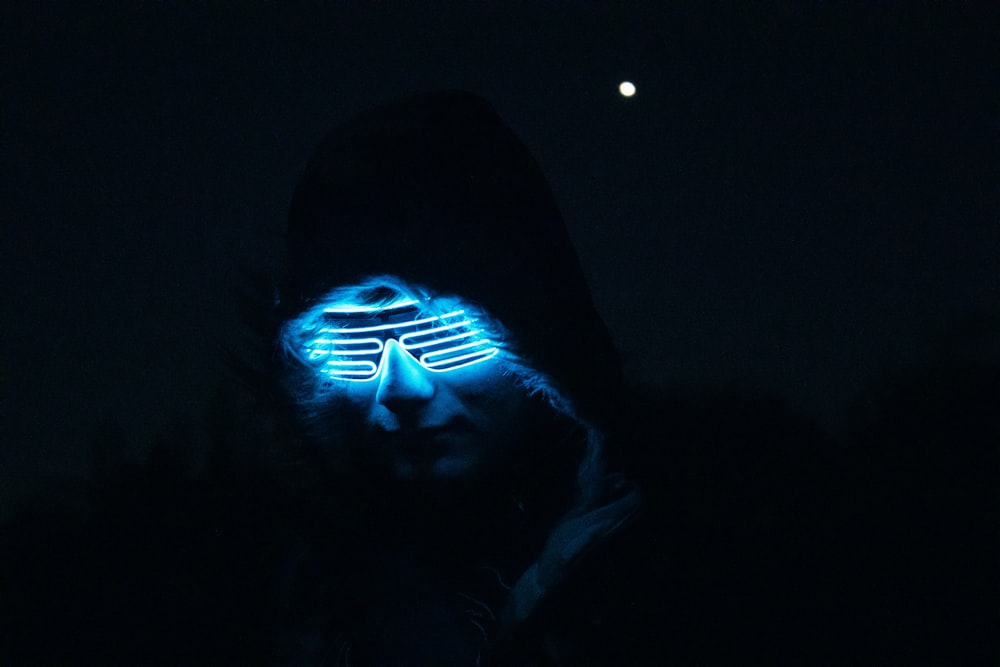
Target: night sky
point(798, 197)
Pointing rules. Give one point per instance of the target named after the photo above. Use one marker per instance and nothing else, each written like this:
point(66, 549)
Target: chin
point(442, 469)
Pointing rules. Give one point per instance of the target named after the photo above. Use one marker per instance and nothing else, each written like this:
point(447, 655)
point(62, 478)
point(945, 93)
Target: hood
point(438, 190)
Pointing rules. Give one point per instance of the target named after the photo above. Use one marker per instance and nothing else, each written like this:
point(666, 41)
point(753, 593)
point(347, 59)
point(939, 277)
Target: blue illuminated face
point(420, 379)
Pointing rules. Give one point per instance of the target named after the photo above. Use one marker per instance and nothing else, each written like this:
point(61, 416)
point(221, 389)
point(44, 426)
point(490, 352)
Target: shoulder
point(716, 548)
point(609, 609)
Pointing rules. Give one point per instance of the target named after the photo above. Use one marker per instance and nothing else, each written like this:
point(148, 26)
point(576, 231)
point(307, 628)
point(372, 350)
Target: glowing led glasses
point(353, 349)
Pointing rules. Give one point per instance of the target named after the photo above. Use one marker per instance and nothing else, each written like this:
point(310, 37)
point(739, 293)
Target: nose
point(404, 385)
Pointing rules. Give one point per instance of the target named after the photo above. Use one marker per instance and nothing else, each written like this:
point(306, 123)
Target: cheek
point(334, 412)
point(495, 401)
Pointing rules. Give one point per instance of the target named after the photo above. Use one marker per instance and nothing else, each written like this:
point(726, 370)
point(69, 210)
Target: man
point(441, 358)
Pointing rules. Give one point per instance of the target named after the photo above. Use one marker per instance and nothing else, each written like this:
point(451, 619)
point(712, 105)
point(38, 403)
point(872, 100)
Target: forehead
point(378, 316)
point(355, 307)
point(374, 292)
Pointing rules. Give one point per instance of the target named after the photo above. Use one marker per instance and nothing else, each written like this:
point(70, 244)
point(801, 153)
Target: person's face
point(426, 406)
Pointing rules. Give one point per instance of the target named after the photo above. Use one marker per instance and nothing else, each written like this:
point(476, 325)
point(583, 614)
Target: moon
point(626, 88)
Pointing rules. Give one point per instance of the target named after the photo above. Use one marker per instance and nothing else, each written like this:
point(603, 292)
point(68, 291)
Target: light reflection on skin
point(438, 425)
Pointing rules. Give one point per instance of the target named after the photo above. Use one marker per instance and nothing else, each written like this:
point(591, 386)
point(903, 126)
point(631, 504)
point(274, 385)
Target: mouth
point(421, 442)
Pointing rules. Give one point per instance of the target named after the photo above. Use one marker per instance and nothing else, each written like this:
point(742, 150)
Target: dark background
point(800, 197)
point(791, 230)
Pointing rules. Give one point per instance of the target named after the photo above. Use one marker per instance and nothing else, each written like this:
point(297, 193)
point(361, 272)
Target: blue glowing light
point(369, 309)
point(353, 349)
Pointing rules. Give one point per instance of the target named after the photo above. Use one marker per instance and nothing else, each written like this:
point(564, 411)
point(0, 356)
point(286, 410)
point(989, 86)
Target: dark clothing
point(480, 572)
